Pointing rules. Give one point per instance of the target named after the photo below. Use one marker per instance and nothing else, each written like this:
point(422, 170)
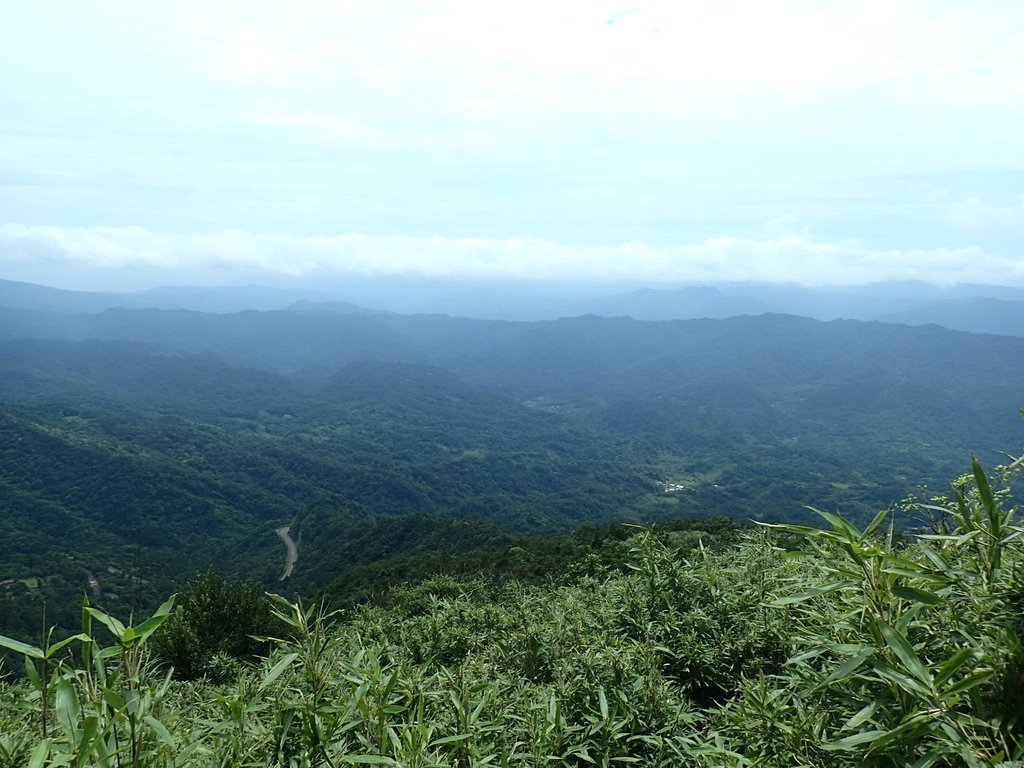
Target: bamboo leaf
point(370, 760)
point(802, 530)
point(114, 699)
point(951, 665)
point(915, 595)
point(988, 499)
point(930, 759)
point(909, 729)
point(33, 674)
point(67, 709)
point(918, 574)
point(906, 682)
point(848, 667)
point(52, 649)
point(89, 730)
point(874, 524)
point(116, 627)
point(150, 625)
point(811, 593)
point(905, 653)
point(934, 556)
point(277, 669)
point(850, 742)
point(108, 653)
point(19, 647)
point(861, 717)
point(161, 731)
point(451, 739)
point(838, 523)
point(39, 754)
point(976, 678)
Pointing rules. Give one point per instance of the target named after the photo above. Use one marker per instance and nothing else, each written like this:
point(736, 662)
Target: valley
point(160, 442)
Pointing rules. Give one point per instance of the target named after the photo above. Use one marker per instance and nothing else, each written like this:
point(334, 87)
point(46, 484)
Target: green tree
point(215, 627)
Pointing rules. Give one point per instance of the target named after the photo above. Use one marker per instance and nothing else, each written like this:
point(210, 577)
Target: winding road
point(293, 551)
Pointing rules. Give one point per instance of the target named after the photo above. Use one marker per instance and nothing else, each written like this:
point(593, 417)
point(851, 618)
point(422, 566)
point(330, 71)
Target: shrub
point(215, 622)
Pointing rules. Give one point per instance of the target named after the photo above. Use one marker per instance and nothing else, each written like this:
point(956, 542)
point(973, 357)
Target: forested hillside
point(142, 446)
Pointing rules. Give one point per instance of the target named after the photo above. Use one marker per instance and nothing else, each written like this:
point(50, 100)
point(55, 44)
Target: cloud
point(492, 120)
point(220, 256)
point(975, 213)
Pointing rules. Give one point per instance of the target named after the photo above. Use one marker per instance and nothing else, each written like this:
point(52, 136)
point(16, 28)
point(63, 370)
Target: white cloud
point(566, 121)
point(779, 258)
point(975, 213)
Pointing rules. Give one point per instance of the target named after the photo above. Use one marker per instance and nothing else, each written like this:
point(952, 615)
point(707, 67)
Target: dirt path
point(293, 551)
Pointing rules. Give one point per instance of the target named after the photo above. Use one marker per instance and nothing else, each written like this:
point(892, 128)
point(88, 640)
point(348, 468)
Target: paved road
point(293, 551)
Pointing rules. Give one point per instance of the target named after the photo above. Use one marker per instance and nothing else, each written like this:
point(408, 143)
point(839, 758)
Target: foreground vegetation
point(837, 646)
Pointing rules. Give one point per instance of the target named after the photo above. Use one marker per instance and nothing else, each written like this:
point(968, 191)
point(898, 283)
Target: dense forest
point(141, 446)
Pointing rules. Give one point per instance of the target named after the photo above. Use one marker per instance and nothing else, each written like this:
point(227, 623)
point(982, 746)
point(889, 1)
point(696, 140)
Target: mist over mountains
point(190, 435)
point(974, 308)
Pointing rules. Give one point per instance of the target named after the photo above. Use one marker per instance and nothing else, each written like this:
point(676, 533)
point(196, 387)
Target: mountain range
point(140, 445)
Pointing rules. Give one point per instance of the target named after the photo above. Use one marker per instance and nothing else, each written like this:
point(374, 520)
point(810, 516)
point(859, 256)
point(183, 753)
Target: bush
point(215, 622)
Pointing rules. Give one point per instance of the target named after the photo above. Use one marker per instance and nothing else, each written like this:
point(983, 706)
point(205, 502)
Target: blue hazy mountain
point(974, 308)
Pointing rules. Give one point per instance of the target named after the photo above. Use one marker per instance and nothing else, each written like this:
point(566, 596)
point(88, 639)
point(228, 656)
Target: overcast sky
point(678, 140)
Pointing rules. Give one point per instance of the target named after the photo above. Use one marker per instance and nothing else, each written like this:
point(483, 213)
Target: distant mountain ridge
point(224, 299)
point(186, 438)
point(973, 308)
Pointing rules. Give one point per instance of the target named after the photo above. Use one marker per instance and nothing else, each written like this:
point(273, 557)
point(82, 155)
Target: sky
point(222, 142)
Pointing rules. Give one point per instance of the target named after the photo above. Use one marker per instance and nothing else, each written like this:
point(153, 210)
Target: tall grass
point(850, 647)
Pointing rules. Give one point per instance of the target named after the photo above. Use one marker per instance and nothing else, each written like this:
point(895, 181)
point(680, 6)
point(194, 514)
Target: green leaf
point(934, 556)
point(951, 665)
point(838, 523)
point(114, 699)
point(161, 730)
point(582, 753)
point(806, 656)
point(116, 627)
point(915, 595)
point(916, 572)
point(930, 759)
point(811, 593)
point(39, 754)
point(874, 524)
point(150, 625)
point(68, 710)
point(974, 679)
point(987, 497)
point(370, 760)
point(848, 667)
point(451, 739)
point(862, 716)
point(111, 652)
point(907, 731)
point(89, 729)
point(277, 669)
point(850, 742)
point(905, 653)
point(52, 649)
point(802, 530)
point(33, 674)
point(19, 647)
point(906, 682)
point(86, 618)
